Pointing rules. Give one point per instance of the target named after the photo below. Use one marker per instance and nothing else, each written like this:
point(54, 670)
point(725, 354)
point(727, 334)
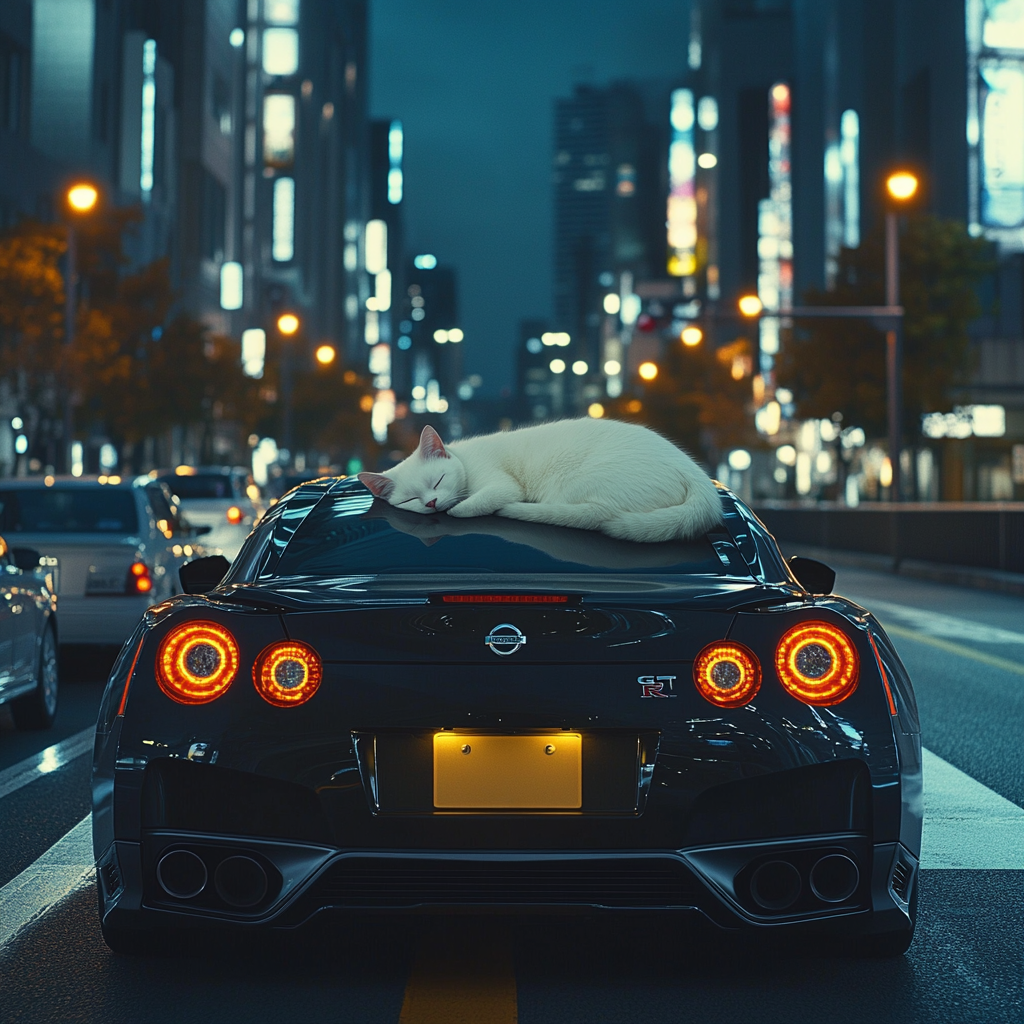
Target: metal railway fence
point(976, 535)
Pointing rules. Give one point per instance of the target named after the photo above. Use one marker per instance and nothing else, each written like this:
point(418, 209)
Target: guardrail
point(977, 535)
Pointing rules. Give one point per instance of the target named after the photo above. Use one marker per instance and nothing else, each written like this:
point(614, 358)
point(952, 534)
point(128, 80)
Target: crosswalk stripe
point(65, 867)
point(46, 761)
point(966, 824)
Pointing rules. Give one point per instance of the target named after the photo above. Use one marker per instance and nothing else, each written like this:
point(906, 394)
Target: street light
point(81, 199)
point(691, 336)
point(287, 325)
point(325, 355)
point(750, 305)
point(647, 371)
point(902, 187)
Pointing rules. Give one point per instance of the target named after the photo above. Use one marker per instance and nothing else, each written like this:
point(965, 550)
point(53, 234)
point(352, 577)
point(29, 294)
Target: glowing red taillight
point(727, 674)
point(197, 662)
point(817, 663)
point(234, 515)
point(287, 673)
point(139, 580)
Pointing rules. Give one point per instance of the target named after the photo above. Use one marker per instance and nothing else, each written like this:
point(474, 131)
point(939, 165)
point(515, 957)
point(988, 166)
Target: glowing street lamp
point(81, 199)
point(647, 371)
point(691, 336)
point(750, 305)
point(326, 354)
point(288, 323)
point(902, 187)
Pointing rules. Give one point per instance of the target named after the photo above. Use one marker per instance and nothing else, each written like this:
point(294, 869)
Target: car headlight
point(817, 663)
point(287, 674)
point(197, 662)
point(727, 674)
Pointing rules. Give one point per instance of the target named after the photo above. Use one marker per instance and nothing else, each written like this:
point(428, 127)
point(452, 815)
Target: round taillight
point(197, 662)
point(817, 663)
point(727, 674)
point(287, 674)
point(234, 515)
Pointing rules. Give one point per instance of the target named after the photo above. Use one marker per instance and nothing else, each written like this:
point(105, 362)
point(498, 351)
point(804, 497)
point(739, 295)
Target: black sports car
point(375, 709)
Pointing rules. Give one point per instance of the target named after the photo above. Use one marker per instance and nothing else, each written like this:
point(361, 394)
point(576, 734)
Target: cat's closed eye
point(438, 484)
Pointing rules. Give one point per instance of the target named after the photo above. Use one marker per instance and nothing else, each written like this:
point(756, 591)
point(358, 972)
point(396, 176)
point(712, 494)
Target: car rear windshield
point(348, 533)
point(68, 510)
point(200, 485)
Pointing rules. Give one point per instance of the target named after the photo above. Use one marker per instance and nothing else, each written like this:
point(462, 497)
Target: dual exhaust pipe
point(239, 881)
point(776, 885)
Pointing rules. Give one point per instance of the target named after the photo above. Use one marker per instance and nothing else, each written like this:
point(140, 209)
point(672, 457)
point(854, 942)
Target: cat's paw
point(464, 510)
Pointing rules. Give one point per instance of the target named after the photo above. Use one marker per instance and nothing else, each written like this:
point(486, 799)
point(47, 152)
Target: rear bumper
point(99, 620)
point(302, 882)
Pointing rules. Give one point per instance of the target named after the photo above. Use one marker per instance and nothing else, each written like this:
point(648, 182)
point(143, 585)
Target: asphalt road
point(965, 651)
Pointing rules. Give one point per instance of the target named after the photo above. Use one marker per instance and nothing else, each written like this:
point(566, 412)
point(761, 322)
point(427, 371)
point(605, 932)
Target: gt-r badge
point(505, 639)
point(654, 686)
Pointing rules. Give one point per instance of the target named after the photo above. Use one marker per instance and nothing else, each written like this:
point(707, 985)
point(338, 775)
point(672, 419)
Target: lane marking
point(964, 652)
point(462, 974)
point(65, 867)
point(46, 761)
point(936, 624)
point(966, 824)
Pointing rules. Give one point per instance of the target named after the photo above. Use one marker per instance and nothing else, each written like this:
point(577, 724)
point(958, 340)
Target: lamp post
point(901, 187)
point(287, 325)
point(81, 200)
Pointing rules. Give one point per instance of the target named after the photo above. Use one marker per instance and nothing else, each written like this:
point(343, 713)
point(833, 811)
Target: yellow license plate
point(508, 772)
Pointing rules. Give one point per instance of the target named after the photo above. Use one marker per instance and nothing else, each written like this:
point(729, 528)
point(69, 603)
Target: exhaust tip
point(775, 885)
point(181, 874)
point(834, 878)
point(240, 881)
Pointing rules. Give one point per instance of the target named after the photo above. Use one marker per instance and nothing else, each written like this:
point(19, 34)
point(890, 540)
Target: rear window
point(349, 533)
point(200, 485)
point(70, 510)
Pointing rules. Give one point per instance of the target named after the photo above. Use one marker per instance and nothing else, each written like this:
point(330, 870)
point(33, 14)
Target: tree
point(839, 365)
point(700, 398)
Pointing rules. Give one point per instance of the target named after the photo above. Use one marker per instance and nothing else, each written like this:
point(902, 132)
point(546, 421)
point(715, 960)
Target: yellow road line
point(463, 974)
point(965, 652)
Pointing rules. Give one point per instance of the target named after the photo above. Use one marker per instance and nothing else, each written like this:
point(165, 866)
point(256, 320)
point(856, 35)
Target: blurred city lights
point(82, 197)
point(557, 366)
point(885, 473)
point(558, 338)
point(612, 367)
point(691, 336)
point(254, 351)
point(595, 410)
point(707, 113)
point(440, 336)
point(647, 371)
point(455, 335)
point(326, 354)
point(786, 454)
point(612, 303)
point(283, 229)
point(579, 367)
point(707, 160)
point(424, 262)
point(237, 37)
point(901, 186)
point(231, 284)
point(750, 305)
point(740, 459)
point(376, 246)
point(287, 323)
point(280, 51)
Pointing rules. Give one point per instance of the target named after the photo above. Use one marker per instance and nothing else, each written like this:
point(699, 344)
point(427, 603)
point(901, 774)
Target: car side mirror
point(201, 575)
point(25, 559)
point(814, 576)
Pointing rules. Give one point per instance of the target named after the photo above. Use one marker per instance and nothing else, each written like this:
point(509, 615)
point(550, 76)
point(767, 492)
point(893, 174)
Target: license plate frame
point(481, 772)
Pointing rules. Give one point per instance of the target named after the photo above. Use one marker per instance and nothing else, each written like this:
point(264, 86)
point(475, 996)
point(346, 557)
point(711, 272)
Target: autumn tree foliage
point(839, 365)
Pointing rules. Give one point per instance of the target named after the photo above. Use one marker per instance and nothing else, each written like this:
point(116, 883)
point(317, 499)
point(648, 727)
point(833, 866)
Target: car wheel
point(38, 709)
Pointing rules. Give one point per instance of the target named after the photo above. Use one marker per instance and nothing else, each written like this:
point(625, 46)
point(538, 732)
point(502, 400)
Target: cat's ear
point(431, 445)
point(379, 485)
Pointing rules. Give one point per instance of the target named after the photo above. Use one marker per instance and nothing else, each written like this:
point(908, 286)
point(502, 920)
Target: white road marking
point(65, 867)
point(949, 627)
point(46, 761)
point(966, 824)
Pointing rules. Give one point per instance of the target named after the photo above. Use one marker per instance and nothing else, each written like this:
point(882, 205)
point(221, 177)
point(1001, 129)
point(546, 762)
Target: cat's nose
point(432, 503)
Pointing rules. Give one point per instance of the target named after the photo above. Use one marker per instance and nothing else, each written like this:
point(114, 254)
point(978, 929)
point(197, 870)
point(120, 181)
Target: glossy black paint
point(669, 780)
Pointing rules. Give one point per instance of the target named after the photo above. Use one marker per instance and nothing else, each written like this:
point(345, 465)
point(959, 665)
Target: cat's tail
point(702, 511)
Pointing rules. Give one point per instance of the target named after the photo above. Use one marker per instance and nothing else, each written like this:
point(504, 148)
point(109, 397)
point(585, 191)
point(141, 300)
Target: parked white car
point(223, 498)
point(118, 543)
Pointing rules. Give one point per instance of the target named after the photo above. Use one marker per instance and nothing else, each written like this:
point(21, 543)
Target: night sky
point(473, 82)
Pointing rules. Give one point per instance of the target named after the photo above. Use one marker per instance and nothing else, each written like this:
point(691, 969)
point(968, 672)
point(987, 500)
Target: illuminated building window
point(283, 244)
point(682, 203)
point(148, 146)
point(375, 252)
point(280, 51)
point(278, 129)
point(231, 281)
point(995, 121)
point(281, 12)
point(395, 178)
point(254, 350)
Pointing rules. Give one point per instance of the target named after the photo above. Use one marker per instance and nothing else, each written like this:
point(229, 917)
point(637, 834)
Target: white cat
point(619, 478)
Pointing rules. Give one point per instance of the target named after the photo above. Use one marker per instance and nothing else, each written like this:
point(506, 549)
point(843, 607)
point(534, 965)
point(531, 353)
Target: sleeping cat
point(619, 478)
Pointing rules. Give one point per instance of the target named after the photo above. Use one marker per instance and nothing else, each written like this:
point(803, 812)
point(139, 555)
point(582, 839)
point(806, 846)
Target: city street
point(965, 652)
